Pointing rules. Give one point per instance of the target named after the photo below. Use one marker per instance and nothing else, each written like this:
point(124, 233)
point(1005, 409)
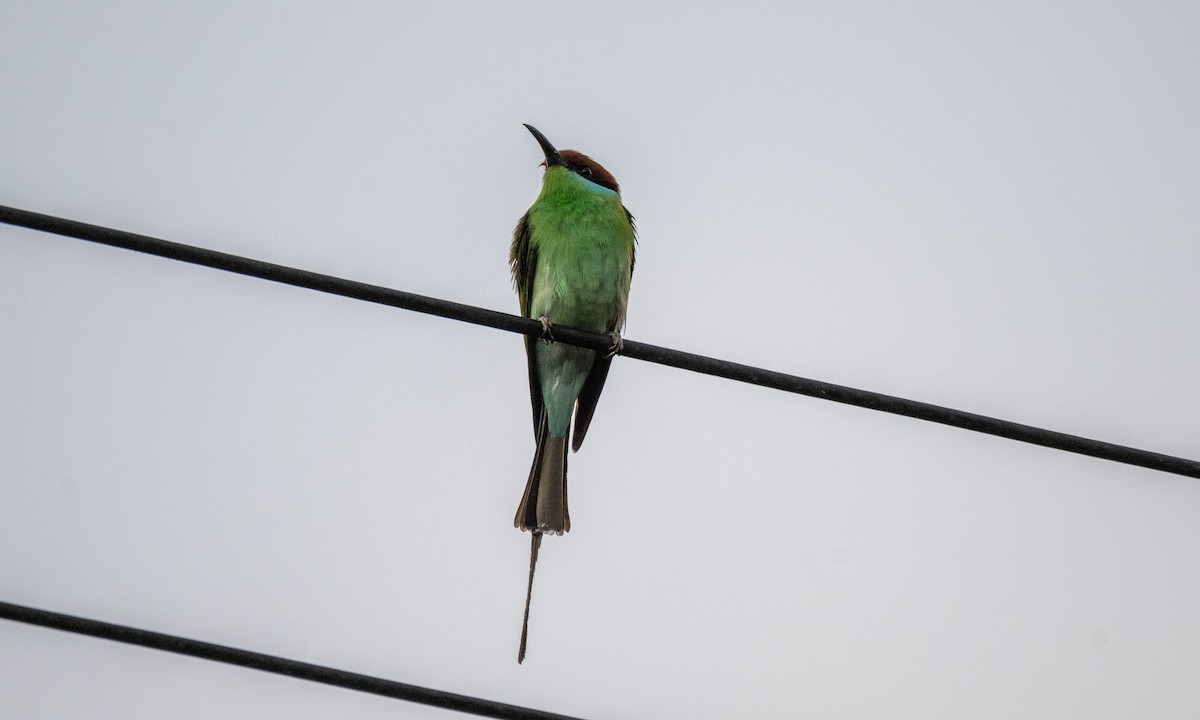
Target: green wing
point(589, 394)
point(523, 261)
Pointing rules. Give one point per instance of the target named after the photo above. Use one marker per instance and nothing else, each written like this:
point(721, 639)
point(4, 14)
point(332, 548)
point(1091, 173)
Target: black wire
point(274, 664)
point(637, 350)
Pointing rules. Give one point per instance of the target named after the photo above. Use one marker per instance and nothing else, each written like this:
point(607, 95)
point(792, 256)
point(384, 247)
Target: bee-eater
point(572, 260)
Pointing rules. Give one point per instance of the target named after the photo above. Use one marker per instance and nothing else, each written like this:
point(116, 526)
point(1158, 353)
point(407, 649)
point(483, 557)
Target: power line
point(273, 664)
point(632, 349)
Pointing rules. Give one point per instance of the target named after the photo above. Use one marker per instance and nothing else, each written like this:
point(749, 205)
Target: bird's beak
point(552, 156)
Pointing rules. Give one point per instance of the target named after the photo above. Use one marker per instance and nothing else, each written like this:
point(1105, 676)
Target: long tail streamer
point(534, 546)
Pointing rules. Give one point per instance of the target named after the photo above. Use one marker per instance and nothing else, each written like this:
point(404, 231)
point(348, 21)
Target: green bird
point(572, 259)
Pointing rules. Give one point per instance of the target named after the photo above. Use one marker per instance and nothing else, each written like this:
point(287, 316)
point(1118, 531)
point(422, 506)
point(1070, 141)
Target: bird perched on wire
point(572, 259)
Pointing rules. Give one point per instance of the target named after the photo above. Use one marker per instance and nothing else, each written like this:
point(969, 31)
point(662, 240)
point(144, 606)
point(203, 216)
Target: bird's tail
point(543, 507)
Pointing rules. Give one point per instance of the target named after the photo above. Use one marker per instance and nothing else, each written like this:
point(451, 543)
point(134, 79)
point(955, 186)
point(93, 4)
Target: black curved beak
point(552, 155)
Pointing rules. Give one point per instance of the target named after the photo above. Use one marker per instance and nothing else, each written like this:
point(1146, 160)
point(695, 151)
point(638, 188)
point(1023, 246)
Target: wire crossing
point(274, 664)
point(640, 351)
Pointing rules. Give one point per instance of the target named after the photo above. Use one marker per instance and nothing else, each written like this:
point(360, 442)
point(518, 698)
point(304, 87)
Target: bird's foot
point(547, 335)
point(617, 346)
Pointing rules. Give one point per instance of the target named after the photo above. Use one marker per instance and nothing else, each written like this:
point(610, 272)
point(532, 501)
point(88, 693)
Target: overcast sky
point(991, 206)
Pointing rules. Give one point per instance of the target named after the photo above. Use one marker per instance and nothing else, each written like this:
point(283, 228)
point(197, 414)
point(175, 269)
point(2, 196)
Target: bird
point(571, 258)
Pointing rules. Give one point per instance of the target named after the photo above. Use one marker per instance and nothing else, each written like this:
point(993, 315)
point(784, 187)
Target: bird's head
point(575, 162)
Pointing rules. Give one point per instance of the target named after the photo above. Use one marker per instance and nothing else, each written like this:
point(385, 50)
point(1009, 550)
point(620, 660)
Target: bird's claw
point(617, 346)
point(547, 335)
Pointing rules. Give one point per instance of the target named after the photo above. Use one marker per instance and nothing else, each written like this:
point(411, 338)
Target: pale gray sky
point(991, 206)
